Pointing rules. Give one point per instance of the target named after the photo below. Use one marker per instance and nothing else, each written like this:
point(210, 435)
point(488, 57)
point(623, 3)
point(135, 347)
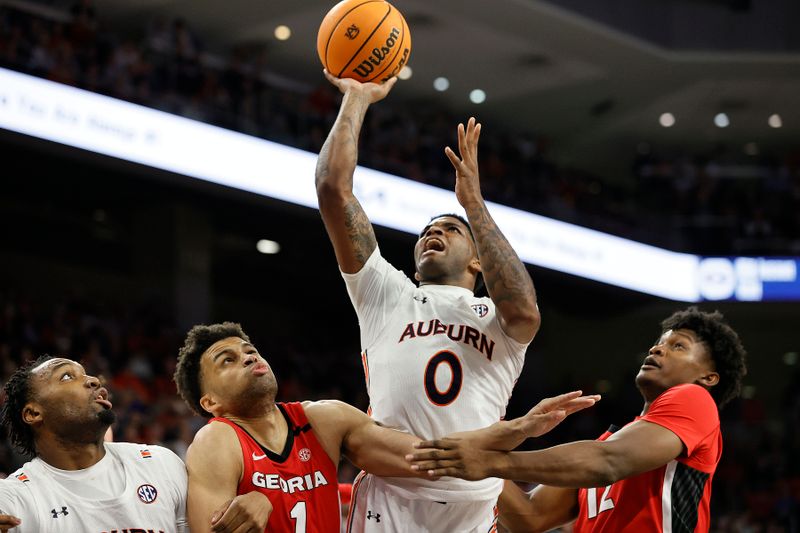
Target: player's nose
point(656, 350)
point(434, 230)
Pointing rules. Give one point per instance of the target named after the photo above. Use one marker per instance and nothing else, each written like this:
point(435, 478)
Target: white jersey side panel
point(437, 362)
point(154, 498)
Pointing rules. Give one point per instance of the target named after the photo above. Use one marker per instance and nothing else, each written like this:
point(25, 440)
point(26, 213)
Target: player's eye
point(66, 376)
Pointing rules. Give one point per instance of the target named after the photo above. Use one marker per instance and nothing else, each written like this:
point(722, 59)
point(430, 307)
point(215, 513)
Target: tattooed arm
point(507, 280)
point(345, 221)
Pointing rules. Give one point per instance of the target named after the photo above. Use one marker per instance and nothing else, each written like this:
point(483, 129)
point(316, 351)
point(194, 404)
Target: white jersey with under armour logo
point(152, 485)
point(436, 362)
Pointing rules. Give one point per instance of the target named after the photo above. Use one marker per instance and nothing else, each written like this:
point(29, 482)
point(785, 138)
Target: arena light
point(477, 96)
point(283, 32)
point(721, 120)
point(667, 120)
point(775, 121)
point(97, 123)
point(266, 246)
point(405, 73)
point(441, 84)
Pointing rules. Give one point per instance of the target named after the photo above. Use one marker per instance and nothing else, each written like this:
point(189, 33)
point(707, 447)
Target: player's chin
point(107, 416)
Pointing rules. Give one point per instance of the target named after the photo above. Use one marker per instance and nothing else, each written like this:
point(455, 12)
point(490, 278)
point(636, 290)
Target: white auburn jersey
point(153, 499)
point(436, 362)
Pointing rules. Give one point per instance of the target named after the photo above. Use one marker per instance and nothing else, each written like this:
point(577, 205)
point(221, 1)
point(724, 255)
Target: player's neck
point(69, 455)
point(468, 284)
point(269, 427)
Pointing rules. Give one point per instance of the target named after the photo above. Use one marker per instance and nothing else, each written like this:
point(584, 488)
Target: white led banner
point(108, 126)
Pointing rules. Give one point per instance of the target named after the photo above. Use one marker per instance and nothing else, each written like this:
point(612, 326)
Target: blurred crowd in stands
point(723, 202)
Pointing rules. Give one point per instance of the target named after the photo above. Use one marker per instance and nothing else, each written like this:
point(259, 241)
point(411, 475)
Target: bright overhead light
point(667, 120)
point(441, 84)
point(268, 247)
point(721, 120)
point(477, 96)
point(775, 121)
point(405, 73)
point(283, 32)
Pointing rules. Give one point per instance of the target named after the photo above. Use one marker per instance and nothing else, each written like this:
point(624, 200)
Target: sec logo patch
point(147, 493)
point(481, 310)
point(304, 454)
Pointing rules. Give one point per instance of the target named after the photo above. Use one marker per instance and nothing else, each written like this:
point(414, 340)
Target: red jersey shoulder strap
point(295, 414)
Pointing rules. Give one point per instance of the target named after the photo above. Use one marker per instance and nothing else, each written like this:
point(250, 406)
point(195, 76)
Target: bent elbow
point(525, 323)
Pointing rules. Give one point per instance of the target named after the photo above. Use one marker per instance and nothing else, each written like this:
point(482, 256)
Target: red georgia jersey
point(300, 482)
point(675, 497)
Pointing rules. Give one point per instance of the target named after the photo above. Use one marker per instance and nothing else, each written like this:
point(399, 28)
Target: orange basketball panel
point(379, 51)
point(345, 29)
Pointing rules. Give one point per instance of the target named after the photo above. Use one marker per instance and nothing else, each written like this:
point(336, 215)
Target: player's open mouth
point(650, 362)
point(433, 245)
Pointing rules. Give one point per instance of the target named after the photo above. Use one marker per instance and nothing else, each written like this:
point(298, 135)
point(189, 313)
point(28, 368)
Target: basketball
point(367, 40)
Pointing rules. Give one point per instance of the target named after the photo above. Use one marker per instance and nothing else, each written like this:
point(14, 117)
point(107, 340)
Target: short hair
point(18, 392)
point(187, 373)
point(724, 345)
point(479, 284)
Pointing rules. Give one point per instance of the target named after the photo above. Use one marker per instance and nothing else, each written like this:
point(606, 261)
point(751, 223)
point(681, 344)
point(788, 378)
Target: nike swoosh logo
point(258, 457)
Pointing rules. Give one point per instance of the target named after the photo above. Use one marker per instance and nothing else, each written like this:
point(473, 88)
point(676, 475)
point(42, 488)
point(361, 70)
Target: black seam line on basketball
point(365, 42)
point(399, 47)
point(336, 26)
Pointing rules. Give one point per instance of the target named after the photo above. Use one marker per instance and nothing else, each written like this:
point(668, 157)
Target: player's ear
point(709, 380)
point(475, 266)
point(32, 413)
point(416, 276)
point(208, 403)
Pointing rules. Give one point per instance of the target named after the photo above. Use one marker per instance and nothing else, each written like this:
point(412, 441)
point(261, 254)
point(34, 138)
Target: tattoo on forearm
point(505, 276)
point(341, 143)
point(359, 230)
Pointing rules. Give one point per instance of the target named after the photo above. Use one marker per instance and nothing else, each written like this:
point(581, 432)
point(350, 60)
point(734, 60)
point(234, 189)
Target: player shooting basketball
point(438, 359)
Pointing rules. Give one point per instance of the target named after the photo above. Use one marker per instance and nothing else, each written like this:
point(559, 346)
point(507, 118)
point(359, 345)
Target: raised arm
point(214, 464)
point(507, 280)
point(637, 448)
point(345, 221)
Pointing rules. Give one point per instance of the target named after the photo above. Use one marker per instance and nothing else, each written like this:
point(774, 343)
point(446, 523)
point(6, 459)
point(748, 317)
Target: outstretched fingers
point(454, 159)
point(579, 404)
point(570, 402)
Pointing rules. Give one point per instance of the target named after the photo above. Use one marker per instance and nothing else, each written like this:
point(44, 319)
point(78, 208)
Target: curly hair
point(723, 344)
point(18, 392)
point(187, 373)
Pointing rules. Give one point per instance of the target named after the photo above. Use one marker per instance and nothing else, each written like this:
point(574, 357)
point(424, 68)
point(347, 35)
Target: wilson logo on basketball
point(147, 493)
point(352, 32)
point(304, 455)
point(378, 55)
